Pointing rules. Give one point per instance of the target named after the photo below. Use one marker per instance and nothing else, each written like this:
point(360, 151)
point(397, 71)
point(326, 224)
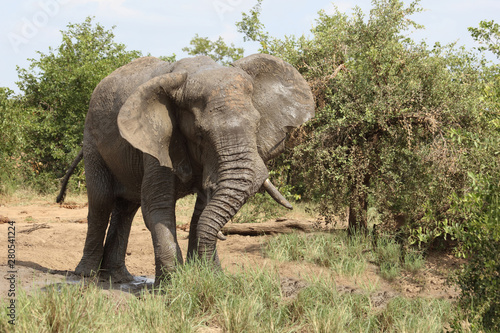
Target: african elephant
point(156, 132)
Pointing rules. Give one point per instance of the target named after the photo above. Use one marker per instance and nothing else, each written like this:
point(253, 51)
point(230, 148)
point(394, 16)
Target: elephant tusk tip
point(221, 236)
point(276, 195)
point(287, 205)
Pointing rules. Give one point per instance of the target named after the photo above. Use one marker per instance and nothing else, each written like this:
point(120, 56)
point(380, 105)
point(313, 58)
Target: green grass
point(392, 258)
point(248, 301)
point(387, 254)
point(344, 254)
point(415, 315)
point(413, 260)
point(24, 195)
point(184, 209)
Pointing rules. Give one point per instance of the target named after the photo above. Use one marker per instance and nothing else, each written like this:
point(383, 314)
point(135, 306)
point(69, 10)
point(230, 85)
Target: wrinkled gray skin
point(156, 132)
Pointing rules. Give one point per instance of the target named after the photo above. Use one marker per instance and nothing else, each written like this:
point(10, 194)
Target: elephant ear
point(147, 121)
point(281, 95)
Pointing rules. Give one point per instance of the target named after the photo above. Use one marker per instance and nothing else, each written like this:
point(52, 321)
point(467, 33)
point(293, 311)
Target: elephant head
point(220, 123)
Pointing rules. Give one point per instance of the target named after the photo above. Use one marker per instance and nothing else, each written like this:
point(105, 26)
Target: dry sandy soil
point(49, 240)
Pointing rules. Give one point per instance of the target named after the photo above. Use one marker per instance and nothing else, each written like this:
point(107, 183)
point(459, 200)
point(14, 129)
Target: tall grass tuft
point(415, 315)
point(343, 254)
point(387, 254)
point(392, 258)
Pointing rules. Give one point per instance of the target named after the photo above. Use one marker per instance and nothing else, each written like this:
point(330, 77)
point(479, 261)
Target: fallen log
point(268, 228)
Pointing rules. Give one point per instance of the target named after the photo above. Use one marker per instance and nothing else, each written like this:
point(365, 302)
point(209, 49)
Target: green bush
point(56, 91)
point(387, 108)
point(479, 278)
point(13, 120)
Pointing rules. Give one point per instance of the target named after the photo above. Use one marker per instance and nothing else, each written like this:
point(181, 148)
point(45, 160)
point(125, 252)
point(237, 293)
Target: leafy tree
point(171, 58)
point(57, 89)
point(488, 34)
point(12, 122)
point(218, 50)
point(253, 29)
point(387, 111)
point(478, 278)
point(479, 207)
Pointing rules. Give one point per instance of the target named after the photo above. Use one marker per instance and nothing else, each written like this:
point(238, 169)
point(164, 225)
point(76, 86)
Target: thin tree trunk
point(358, 208)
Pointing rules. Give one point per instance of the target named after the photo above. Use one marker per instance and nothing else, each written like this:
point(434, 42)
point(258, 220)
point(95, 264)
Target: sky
point(164, 27)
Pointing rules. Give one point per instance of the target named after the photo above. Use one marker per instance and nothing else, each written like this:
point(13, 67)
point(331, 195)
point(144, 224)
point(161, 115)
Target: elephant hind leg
point(93, 250)
point(115, 248)
point(101, 200)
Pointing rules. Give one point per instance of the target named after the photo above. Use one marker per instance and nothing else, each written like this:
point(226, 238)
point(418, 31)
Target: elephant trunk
point(237, 179)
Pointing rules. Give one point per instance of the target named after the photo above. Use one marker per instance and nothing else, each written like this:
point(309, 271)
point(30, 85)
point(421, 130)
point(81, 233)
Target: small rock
point(290, 287)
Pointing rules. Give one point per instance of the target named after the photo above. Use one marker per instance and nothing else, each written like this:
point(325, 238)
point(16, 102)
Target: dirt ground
point(49, 240)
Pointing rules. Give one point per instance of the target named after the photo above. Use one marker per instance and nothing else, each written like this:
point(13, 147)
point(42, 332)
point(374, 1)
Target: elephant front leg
point(158, 209)
point(201, 203)
point(167, 252)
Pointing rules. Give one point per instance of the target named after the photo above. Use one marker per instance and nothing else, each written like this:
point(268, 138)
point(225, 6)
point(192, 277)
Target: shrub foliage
point(388, 114)
point(56, 91)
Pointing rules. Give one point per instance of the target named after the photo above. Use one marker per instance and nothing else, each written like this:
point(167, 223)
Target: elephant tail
point(64, 182)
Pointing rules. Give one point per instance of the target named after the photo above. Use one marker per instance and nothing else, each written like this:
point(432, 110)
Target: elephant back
point(114, 89)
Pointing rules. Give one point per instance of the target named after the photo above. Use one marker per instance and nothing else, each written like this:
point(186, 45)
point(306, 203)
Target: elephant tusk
point(221, 236)
point(275, 194)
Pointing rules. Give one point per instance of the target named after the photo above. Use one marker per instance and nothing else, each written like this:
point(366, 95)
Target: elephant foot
point(116, 275)
point(87, 268)
point(163, 275)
